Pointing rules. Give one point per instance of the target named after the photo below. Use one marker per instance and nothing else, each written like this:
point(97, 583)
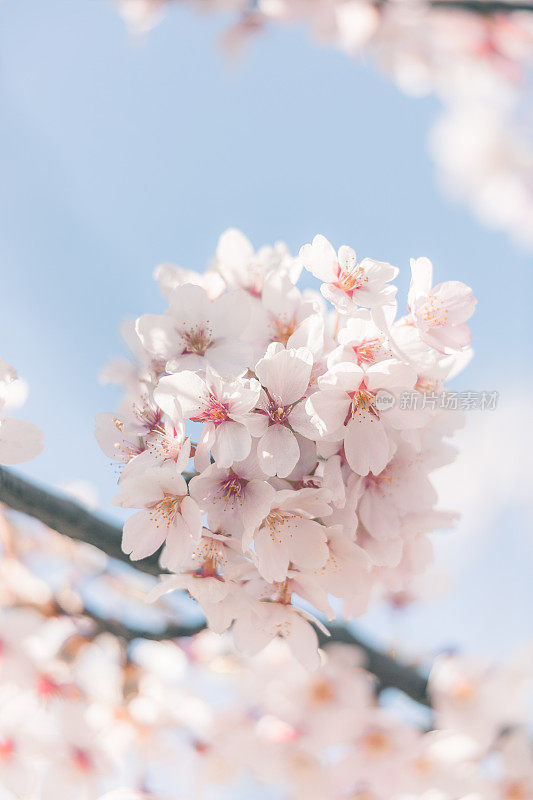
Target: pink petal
point(278, 451)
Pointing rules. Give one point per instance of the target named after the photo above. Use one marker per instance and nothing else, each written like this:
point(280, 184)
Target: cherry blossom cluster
point(478, 64)
point(19, 441)
point(264, 439)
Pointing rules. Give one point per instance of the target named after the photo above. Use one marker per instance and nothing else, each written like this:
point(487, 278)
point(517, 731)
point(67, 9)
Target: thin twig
point(69, 518)
point(127, 632)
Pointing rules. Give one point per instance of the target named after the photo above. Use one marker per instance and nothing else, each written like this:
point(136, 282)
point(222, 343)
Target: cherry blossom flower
point(235, 500)
point(267, 621)
point(117, 440)
point(403, 486)
point(350, 411)
point(440, 314)
point(284, 376)
point(280, 313)
point(165, 445)
point(346, 283)
point(169, 516)
point(197, 331)
point(241, 267)
point(289, 533)
point(216, 597)
point(361, 341)
point(170, 276)
point(223, 406)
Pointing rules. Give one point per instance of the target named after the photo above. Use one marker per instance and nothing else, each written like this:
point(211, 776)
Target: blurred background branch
point(482, 6)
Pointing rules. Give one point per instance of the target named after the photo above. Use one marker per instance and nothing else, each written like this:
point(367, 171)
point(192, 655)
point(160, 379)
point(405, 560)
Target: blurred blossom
point(19, 441)
point(479, 65)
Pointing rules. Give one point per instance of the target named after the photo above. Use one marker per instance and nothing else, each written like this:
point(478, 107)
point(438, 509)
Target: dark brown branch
point(483, 7)
point(120, 629)
point(69, 518)
point(486, 7)
point(390, 672)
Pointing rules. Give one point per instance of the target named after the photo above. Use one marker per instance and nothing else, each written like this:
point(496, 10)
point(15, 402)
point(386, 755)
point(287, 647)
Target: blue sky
point(117, 154)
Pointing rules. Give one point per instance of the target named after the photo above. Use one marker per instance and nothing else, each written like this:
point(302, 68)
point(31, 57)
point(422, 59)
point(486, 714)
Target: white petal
point(344, 375)
point(258, 499)
point(231, 314)
point(167, 585)
point(234, 251)
point(202, 457)
point(328, 410)
point(141, 536)
point(251, 634)
point(458, 300)
point(157, 333)
point(286, 374)
point(244, 396)
point(278, 451)
point(190, 305)
point(307, 545)
point(232, 443)
point(320, 259)
point(192, 516)
point(338, 297)
point(347, 258)
point(300, 421)
point(186, 389)
point(229, 356)
point(178, 547)
point(272, 555)
point(19, 441)
point(303, 642)
point(374, 296)
point(138, 488)
point(310, 334)
point(366, 444)
point(421, 281)
point(390, 374)
point(379, 516)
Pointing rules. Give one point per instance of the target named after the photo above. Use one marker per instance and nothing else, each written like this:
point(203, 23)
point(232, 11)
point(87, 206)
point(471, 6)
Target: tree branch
point(120, 629)
point(70, 519)
point(486, 7)
point(390, 672)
